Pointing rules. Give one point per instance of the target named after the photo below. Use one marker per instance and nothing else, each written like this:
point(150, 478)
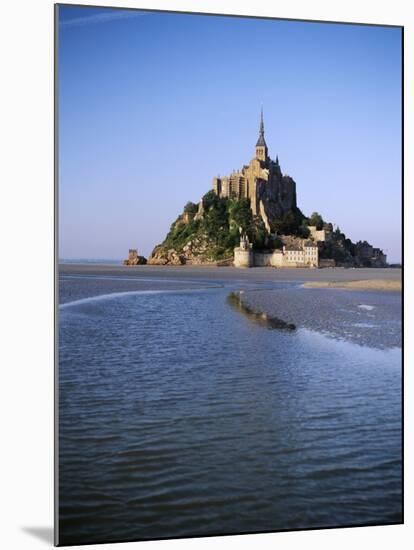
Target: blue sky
point(153, 105)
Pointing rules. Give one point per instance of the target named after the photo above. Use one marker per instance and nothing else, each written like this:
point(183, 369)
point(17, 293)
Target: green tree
point(303, 231)
point(257, 233)
point(316, 219)
point(289, 223)
point(210, 199)
point(191, 209)
point(275, 243)
point(240, 213)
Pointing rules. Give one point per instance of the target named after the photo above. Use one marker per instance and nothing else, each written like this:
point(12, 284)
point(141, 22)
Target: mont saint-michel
point(251, 218)
point(240, 369)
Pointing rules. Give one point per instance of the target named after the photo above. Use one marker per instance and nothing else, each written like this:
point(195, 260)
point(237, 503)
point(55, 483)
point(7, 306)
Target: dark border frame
point(56, 265)
point(56, 273)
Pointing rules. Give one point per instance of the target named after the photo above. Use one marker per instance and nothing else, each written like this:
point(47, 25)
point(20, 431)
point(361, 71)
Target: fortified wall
point(319, 235)
point(304, 255)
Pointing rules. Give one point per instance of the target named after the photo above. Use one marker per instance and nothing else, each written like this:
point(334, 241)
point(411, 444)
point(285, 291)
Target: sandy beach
point(369, 284)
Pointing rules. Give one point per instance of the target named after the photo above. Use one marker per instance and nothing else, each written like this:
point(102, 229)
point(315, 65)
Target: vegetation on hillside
point(218, 229)
point(215, 232)
point(292, 223)
point(317, 220)
point(339, 248)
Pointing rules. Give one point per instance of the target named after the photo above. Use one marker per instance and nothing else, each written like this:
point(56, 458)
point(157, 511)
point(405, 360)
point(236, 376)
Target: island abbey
point(273, 230)
point(271, 193)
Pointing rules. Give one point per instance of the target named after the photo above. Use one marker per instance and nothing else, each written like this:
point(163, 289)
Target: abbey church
point(271, 193)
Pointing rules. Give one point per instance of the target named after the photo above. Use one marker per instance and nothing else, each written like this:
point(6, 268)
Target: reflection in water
point(263, 319)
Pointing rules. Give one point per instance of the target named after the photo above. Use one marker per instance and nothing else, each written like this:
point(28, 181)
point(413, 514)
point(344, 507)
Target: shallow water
point(180, 416)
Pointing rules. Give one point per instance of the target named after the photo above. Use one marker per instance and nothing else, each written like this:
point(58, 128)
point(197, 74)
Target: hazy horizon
point(153, 105)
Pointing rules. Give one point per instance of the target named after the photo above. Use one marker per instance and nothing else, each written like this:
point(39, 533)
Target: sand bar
point(365, 284)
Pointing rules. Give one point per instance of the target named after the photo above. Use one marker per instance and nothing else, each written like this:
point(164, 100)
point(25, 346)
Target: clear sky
point(153, 105)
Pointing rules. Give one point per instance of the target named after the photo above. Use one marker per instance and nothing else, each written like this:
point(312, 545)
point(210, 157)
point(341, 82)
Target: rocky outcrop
point(195, 252)
point(162, 255)
point(134, 258)
point(140, 260)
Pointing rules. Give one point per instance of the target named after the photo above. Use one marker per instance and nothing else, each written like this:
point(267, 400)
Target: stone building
point(271, 193)
point(311, 253)
point(320, 235)
point(294, 254)
point(305, 255)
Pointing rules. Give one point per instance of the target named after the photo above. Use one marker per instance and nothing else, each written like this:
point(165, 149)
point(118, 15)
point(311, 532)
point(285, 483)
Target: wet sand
point(369, 284)
point(368, 318)
point(212, 273)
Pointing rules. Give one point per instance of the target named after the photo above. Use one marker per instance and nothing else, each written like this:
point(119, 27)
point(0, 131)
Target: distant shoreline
point(366, 284)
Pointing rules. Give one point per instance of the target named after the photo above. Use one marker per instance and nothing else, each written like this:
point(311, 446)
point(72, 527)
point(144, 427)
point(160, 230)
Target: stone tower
point(261, 147)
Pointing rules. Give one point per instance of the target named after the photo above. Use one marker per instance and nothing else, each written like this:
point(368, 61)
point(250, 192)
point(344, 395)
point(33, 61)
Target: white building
point(304, 254)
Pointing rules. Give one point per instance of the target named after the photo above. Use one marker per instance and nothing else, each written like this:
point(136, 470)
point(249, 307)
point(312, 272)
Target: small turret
point(277, 166)
point(244, 240)
point(243, 254)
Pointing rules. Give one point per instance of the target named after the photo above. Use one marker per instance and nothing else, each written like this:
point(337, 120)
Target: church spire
point(261, 141)
point(261, 147)
point(261, 122)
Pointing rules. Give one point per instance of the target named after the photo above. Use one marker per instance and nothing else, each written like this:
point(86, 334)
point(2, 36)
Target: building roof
point(293, 248)
point(261, 141)
point(310, 244)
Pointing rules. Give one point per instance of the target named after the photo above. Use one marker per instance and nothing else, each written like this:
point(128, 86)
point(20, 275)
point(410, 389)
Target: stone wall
point(302, 256)
point(243, 258)
point(319, 235)
point(262, 259)
point(327, 262)
point(251, 258)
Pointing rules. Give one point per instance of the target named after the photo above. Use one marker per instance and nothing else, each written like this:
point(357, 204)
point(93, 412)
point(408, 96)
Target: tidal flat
point(316, 299)
point(183, 415)
point(117, 278)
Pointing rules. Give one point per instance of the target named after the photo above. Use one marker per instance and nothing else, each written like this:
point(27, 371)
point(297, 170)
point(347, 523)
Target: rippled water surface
point(180, 416)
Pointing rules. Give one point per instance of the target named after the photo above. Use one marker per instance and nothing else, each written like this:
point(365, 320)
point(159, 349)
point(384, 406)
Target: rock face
point(194, 252)
point(160, 256)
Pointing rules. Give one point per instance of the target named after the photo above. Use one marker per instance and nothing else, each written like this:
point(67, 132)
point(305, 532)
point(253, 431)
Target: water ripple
point(181, 417)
